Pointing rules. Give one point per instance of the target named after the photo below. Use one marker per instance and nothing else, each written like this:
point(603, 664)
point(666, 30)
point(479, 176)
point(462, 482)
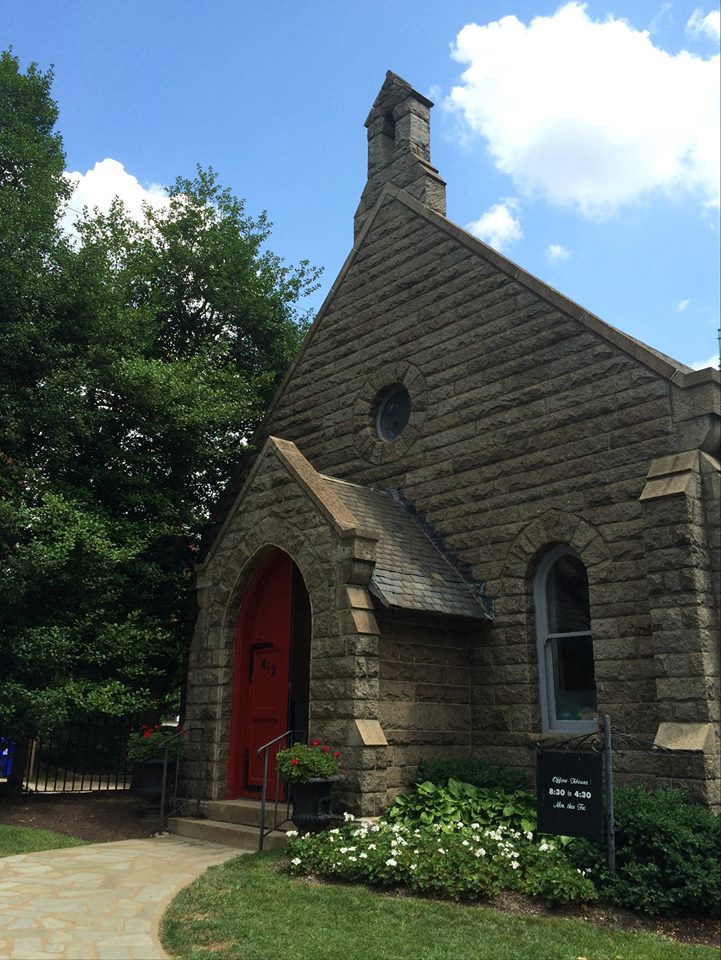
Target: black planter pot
point(147, 778)
point(311, 804)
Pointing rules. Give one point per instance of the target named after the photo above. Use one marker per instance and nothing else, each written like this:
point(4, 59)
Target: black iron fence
point(91, 754)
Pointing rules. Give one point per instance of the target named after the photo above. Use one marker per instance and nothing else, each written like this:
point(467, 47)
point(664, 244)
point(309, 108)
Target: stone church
point(477, 518)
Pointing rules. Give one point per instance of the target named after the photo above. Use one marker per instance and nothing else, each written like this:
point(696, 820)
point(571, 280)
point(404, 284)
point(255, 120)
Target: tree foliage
point(135, 364)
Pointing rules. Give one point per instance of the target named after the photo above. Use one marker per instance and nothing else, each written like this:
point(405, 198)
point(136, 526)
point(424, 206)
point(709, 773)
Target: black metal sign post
point(610, 823)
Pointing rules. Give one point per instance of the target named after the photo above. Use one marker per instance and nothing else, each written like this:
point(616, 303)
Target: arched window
point(565, 645)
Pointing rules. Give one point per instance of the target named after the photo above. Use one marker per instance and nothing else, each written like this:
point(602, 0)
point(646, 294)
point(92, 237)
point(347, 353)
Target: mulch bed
point(96, 817)
point(119, 815)
point(699, 930)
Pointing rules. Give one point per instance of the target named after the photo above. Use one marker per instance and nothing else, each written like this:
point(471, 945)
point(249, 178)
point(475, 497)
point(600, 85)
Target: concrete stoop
point(234, 823)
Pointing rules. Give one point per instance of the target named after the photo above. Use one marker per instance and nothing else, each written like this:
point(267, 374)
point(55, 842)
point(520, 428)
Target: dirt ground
point(96, 817)
point(119, 815)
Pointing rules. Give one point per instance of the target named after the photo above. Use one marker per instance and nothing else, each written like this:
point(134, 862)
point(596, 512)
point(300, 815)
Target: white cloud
point(99, 186)
point(557, 251)
point(711, 362)
point(499, 225)
point(590, 114)
point(682, 305)
point(701, 24)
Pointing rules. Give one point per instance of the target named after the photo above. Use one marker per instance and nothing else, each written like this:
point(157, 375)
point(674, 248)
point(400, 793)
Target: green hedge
point(470, 770)
point(668, 854)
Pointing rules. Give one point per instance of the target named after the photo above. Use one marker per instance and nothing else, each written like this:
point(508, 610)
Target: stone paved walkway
point(99, 902)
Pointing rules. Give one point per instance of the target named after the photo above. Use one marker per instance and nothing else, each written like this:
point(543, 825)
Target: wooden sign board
point(569, 793)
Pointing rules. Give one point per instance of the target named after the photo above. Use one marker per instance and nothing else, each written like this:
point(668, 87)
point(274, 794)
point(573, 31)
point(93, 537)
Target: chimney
point(399, 149)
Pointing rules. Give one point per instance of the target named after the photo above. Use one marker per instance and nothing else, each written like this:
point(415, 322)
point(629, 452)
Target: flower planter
point(311, 804)
point(147, 778)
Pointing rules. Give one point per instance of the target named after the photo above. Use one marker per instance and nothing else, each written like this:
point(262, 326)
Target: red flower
point(315, 743)
point(148, 733)
point(294, 763)
point(337, 754)
point(325, 749)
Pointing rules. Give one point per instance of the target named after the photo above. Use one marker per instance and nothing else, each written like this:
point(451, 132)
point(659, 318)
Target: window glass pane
point(573, 678)
point(567, 596)
point(393, 413)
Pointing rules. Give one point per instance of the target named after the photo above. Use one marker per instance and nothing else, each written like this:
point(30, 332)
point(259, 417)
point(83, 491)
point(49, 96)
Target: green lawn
point(27, 840)
point(247, 910)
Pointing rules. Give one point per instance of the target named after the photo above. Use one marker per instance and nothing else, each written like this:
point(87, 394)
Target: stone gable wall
point(276, 512)
point(530, 422)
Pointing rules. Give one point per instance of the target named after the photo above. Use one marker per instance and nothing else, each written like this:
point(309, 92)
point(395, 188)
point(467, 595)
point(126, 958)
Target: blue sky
point(582, 141)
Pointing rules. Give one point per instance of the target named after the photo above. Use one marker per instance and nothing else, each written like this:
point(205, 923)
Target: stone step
point(241, 811)
point(238, 835)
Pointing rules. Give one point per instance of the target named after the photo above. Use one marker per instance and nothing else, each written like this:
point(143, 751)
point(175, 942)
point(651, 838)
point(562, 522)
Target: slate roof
point(411, 572)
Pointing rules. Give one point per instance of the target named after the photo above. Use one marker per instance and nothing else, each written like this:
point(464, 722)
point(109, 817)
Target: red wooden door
point(260, 682)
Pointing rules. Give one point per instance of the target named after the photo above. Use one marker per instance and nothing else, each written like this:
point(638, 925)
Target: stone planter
point(147, 778)
point(311, 804)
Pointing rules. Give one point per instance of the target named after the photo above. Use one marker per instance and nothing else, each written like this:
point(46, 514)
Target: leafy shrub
point(462, 802)
point(470, 770)
point(462, 861)
point(149, 743)
point(668, 854)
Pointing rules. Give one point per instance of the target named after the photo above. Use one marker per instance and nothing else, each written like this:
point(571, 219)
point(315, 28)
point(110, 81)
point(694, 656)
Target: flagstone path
point(98, 902)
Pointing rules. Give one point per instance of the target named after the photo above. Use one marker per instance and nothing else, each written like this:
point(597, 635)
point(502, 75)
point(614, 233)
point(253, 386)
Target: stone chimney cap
point(394, 90)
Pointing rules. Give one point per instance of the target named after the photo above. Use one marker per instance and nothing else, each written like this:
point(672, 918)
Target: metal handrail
point(201, 770)
point(263, 798)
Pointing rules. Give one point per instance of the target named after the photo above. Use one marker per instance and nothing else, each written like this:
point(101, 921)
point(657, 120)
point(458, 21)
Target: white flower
point(475, 826)
point(480, 852)
point(335, 830)
point(363, 856)
point(529, 835)
point(291, 833)
point(413, 866)
point(371, 846)
point(515, 864)
point(352, 859)
point(348, 817)
point(391, 862)
point(543, 847)
point(459, 825)
point(441, 850)
point(465, 843)
point(296, 861)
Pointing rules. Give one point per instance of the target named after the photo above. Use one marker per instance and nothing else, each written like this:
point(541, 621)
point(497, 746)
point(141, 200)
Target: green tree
point(150, 352)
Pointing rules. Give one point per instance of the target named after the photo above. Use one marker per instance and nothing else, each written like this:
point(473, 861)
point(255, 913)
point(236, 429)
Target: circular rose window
point(392, 411)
